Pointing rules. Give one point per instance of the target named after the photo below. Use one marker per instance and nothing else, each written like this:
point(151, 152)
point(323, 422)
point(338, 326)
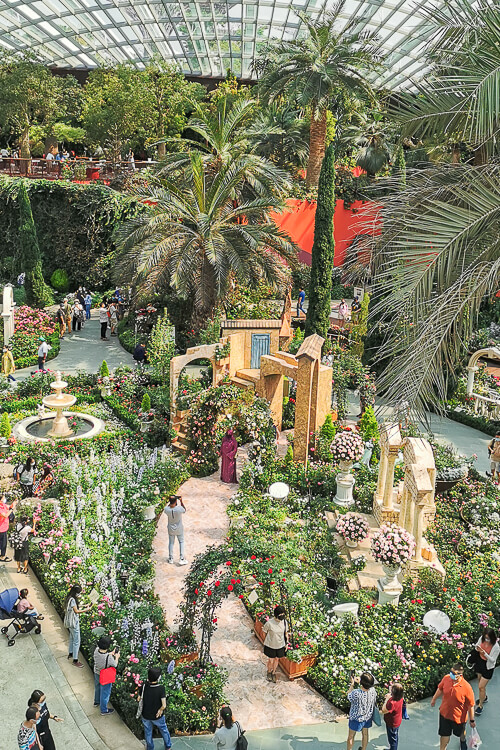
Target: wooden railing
point(95, 169)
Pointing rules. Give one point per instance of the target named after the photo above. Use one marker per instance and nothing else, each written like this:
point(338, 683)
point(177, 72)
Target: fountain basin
point(40, 429)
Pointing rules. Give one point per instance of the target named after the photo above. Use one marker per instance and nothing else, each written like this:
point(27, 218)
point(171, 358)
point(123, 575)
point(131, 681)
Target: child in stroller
point(22, 622)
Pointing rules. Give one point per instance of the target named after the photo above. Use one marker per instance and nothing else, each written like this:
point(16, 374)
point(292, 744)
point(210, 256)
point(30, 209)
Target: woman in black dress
point(37, 700)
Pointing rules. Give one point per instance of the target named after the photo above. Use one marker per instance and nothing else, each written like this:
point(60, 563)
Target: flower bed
point(29, 325)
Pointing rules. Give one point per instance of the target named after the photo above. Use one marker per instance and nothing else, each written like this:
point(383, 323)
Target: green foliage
point(318, 314)
point(5, 428)
point(360, 327)
point(29, 259)
point(161, 347)
point(104, 369)
point(59, 280)
point(256, 303)
point(398, 168)
point(146, 404)
point(296, 342)
point(368, 425)
point(210, 334)
point(328, 430)
point(75, 226)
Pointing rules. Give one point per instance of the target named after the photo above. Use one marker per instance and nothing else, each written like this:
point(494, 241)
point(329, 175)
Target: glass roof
point(205, 37)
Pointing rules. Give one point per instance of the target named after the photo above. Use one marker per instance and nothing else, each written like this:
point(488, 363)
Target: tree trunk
point(161, 151)
point(317, 138)
point(24, 151)
point(480, 156)
point(455, 153)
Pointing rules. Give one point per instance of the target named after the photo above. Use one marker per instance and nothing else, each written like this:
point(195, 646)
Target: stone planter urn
point(389, 587)
point(345, 483)
point(149, 513)
point(351, 543)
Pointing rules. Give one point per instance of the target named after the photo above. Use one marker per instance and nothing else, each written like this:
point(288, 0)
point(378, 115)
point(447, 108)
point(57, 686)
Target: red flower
point(230, 588)
point(209, 593)
point(270, 570)
point(217, 583)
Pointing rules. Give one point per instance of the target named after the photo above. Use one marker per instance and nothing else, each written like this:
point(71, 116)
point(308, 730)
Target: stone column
point(471, 371)
point(419, 530)
point(389, 481)
point(382, 472)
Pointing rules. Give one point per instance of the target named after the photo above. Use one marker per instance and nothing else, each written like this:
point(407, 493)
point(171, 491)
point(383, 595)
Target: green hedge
point(75, 226)
point(489, 426)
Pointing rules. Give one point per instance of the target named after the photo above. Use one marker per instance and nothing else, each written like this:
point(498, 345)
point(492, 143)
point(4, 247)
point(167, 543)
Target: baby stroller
point(21, 622)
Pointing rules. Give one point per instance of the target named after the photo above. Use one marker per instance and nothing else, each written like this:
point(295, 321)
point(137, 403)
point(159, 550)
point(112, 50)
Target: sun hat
point(41, 338)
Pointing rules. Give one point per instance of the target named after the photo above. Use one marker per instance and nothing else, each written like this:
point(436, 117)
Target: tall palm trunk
point(317, 138)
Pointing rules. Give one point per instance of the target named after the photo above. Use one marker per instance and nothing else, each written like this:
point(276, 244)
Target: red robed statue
point(228, 451)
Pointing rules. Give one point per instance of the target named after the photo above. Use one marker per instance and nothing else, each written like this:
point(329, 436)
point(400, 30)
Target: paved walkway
point(39, 662)
point(84, 350)
point(257, 703)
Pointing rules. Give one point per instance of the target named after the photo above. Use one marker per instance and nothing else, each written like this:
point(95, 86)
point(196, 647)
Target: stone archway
point(492, 352)
point(177, 365)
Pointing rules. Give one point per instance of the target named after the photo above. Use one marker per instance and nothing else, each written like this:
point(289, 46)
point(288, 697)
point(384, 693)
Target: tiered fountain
point(53, 425)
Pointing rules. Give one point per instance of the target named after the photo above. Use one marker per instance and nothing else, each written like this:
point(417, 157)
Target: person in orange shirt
point(457, 704)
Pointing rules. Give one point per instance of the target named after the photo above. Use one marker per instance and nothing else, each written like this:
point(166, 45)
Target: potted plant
point(353, 529)
point(146, 413)
point(450, 467)
point(392, 546)
point(346, 448)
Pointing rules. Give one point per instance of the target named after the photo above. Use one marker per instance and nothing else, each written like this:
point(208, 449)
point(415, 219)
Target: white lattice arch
point(492, 353)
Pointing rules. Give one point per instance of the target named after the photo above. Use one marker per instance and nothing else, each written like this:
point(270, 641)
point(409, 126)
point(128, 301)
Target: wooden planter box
point(186, 658)
point(294, 669)
point(197, 690)
point(258, 629)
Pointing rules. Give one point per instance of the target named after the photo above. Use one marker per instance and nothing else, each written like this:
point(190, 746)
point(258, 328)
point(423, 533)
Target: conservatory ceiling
point(204, 37)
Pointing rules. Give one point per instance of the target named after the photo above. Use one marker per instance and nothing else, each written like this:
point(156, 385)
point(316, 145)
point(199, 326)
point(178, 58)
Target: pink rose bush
point(352, 527)
point(392, 545)
point(347, 445)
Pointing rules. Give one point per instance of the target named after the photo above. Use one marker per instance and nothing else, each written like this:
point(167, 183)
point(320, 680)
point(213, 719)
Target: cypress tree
point(320, 289)
point(30, 260)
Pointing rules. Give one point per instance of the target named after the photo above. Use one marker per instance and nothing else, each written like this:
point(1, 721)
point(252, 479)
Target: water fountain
point(53, 425)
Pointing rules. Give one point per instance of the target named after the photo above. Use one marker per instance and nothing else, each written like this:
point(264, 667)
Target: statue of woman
point(228, 451)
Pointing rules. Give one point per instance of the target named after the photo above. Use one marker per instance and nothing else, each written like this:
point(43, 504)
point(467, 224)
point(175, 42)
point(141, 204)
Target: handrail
point(95, 168)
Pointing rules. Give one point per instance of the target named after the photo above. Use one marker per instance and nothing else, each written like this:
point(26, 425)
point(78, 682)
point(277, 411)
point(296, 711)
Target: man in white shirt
point(174, 514)
point(43, 350)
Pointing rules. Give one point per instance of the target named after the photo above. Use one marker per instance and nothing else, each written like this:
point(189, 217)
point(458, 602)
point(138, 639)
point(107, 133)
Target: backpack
point(241, 742)
point(15, 538)
point(495, 453)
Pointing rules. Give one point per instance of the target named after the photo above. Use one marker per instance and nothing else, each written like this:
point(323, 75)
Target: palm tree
point(194, 238)
point(438, 256)
point(280, 135)
point(310, 71)
point(370, 134)
point(224, 139)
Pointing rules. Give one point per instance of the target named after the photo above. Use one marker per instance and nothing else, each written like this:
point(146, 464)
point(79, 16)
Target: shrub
point(5, 428)
point(29, 324)
point(146, 404)
point(59, 280)
point(368, 425)
point(104, 369)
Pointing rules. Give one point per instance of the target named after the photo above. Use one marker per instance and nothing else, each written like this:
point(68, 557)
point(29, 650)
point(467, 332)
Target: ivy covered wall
point(74, 223)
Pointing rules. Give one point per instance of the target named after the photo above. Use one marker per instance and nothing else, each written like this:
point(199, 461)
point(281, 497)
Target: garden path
point(257, 703)
point(84, 350)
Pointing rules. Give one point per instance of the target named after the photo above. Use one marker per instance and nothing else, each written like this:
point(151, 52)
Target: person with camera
point(103, 660)
point(486, 651)
point(363, 700)
point(6, 515)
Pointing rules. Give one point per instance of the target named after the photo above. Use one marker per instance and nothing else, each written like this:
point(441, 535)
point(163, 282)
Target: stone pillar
point(8, 313)
point(389, 481)
point(274, 395)
point(382, 473)
point(419, 531)
point(471, 371)
point(302, 410)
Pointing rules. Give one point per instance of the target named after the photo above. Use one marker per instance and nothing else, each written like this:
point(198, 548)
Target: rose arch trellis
point(214, 575)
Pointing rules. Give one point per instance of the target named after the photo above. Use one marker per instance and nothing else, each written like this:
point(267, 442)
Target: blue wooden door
point(261, 344)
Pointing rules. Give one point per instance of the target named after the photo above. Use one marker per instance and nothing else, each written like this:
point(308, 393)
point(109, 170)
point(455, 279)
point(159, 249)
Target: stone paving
point(256, 702)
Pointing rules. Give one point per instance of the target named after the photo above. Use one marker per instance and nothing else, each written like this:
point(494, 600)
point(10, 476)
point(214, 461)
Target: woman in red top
point(392, 711)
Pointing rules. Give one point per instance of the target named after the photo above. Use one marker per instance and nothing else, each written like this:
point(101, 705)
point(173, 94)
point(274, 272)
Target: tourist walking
point(8, 366)
point(140, 354)
point(228, 450)
point(27, 737)
point(61, 319)
point(457, 703)
point(38, 701)
point(487, 651)
point(103, 320)
point(226, 736)
point(343, 311)
point(43, 350)
point(25, 474)
point(20, 543)
point(6, 511)
point(88, 305)
point(154, 703)
point(113, 317)
point(175, 527)
point(300, 301)
point(72, 622)
point(67, 312)
point(105, 663)
point(494, 454)
point(392, 711)
point(363, 701)
point(275, 641)
point(78, 315)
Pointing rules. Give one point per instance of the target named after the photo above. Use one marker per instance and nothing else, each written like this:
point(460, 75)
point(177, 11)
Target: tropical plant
point(438, 255)
point(194, 238)
point(370, 135)
point(29, 259)
point(323, 251)
point(312, 70)
point(161, 347)
point(224, 138)
point(279, 134)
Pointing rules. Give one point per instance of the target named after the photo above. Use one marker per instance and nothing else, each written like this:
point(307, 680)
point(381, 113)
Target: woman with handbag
point(363, 705)
point(105, 663)
point(72, 622)
point(229, 735)
point(487, 649)
point(275, 642)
